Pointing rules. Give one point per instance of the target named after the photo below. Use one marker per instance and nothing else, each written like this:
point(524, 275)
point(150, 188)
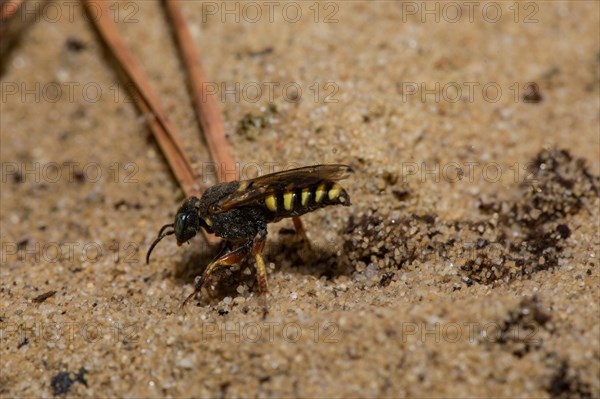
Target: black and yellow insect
point(239, 213)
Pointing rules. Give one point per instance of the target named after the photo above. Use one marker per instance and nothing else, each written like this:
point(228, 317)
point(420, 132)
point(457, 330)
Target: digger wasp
point(239, 212)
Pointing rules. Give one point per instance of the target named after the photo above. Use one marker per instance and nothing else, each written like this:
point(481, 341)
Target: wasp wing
point(258, 188)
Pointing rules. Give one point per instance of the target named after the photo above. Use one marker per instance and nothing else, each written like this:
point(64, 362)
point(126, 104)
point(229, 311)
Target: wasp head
point(187, 224)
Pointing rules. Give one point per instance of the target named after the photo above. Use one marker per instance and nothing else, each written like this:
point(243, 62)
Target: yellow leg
point(261, 270)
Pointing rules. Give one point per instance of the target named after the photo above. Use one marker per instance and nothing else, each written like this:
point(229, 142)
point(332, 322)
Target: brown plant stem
point(163, 130)
point(9, 9)
point(205, 105)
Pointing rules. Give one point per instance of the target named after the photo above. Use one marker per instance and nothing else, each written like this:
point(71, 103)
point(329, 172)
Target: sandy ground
point(466, 266)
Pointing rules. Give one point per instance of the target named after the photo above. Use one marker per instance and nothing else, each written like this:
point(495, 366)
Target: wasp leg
point(261, 269)
point(300, 230)
point(226, 257)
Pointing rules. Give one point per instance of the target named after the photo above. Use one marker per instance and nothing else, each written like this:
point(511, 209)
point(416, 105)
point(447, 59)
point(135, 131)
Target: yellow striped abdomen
point(296, 201)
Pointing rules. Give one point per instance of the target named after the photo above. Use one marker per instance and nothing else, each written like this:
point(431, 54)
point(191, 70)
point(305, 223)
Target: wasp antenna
point(164, 227)
point(160, 237)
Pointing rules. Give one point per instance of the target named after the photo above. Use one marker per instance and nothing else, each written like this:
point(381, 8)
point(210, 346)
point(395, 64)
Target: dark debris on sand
point(557, 187)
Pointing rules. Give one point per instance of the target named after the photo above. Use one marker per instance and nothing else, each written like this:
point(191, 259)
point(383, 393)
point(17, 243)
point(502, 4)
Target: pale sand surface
point(428, 286)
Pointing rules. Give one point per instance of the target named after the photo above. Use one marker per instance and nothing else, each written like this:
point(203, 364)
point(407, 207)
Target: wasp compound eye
point(186, 226)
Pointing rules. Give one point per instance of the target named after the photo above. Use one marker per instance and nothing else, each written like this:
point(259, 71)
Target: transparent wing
point(258, 188)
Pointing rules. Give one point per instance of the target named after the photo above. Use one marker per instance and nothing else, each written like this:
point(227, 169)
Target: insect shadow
point(287, 251)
